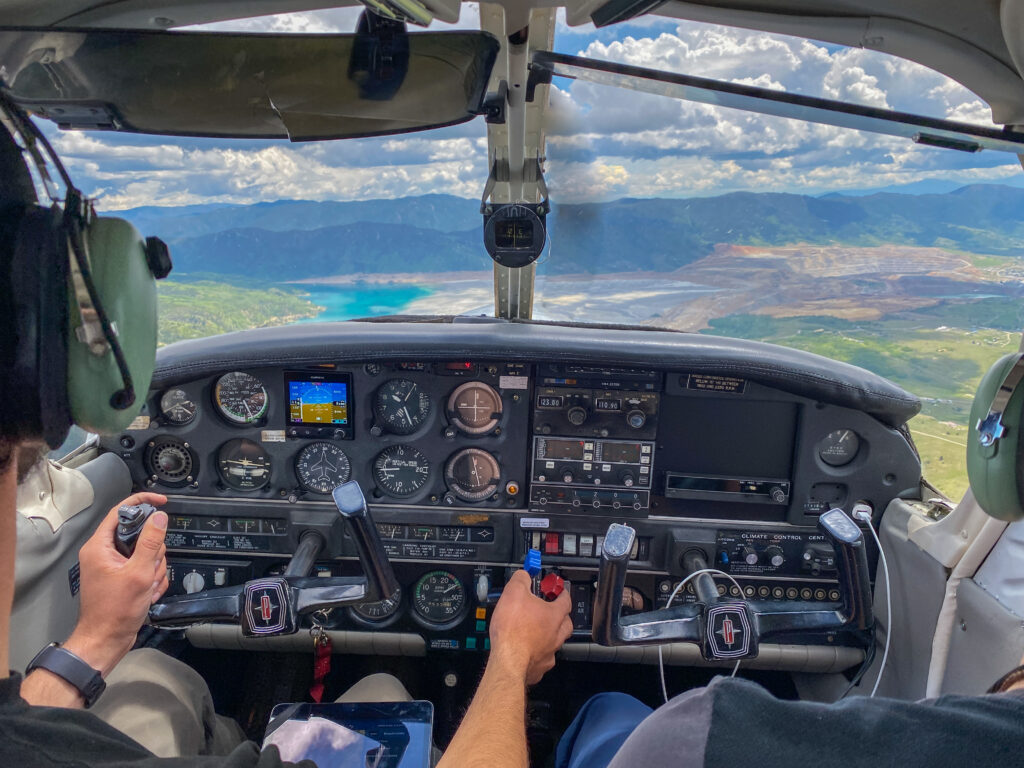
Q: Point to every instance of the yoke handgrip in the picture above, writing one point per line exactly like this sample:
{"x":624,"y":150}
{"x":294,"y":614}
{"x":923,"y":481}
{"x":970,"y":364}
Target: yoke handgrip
{"x":381,"y":581}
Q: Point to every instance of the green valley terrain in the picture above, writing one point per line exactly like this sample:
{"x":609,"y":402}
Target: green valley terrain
{"x":926,"y":290}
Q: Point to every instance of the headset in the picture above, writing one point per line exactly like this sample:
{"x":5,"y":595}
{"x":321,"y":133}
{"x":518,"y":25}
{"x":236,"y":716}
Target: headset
{"x":78,"y":305}
{"x":995,"y":441}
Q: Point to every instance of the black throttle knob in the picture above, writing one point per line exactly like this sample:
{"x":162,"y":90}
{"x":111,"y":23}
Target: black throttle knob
{"x":130,"y":519}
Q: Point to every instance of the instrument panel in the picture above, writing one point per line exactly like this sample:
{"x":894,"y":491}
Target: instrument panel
{"x":467,"y":464}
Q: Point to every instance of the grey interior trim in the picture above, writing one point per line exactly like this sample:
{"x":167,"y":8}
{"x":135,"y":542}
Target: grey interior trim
{"x":44,"y":609}
{"x":229,"y":637}
{"x":918,"y":588}
{"x":789,"y":370}
{"x":789,"y":658}
{"x":800,"y":658}
{"x":987,"y":641}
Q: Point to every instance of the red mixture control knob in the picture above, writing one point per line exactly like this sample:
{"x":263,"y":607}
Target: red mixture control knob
{"x":551,"y":586}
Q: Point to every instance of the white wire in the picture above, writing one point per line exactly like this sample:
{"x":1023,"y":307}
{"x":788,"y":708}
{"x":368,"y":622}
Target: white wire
{"x":888,"y":607}
{"x":679,"y":586}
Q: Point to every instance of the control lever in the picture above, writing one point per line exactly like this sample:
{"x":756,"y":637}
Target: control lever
{"x":273,"y":605}
{"x":130,"y":520}
{"x":726,"y":628}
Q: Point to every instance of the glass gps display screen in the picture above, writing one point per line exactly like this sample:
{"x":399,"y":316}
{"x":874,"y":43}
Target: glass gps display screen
{"x":319,"y":399}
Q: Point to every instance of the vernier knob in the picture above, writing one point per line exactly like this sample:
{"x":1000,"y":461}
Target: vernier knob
{"x":576,"y":416}
{"x":636,"y":419}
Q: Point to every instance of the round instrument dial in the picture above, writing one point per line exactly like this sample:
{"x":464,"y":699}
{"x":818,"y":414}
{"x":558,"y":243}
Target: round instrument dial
{"x":177,"y":407}
{"x":243,"y":465}
{"x":240,"y":397}
{"x":169,"y":461}
{"x":475,"y":408}
{"x":322,"y":467}
{"x":839,"y":447}
{"x":473,"y":474}
{"x":401,"y":406}
{"x":401,"y":470}
{"x":380,"y":613}
{"x":439,"y":600}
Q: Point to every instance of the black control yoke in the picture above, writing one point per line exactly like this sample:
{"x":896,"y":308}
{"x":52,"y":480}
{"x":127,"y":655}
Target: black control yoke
{"x":725,"y":628}
{"x":273,"y":605}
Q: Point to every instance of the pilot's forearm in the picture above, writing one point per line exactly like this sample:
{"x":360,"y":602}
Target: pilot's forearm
{"x":493,"y":732}
{"x":43,"y":688}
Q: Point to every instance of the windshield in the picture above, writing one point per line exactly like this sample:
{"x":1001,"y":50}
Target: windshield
{"x":899,"y":258}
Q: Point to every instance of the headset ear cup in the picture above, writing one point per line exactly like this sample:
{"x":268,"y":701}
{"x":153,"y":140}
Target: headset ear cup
{"x":35,"y":404}
{"x":995,"y":471}
{"x":127,"y":291}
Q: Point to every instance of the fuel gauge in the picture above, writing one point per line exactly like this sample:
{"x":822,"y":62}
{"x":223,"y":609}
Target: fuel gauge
{"x":839,"y":447}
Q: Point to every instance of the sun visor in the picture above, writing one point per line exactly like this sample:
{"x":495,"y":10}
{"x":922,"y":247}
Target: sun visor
{"x":257,"y":86}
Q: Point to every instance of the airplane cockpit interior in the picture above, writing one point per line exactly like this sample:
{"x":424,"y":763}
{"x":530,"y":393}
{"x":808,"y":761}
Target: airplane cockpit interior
{"x":351,"y":496}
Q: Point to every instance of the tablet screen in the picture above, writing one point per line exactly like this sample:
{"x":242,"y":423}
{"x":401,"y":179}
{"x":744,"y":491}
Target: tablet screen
{"x":386,"y":735}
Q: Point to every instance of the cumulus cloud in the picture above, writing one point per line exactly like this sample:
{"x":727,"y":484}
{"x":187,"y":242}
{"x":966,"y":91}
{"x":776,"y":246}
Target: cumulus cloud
{"x":603,"y":143}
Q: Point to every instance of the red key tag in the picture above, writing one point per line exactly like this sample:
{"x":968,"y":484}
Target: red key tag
{"x":321,"y":664}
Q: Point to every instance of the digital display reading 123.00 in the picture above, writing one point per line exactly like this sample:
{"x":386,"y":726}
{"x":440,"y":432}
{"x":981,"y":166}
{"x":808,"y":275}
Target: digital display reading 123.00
{"x":316,"y":401}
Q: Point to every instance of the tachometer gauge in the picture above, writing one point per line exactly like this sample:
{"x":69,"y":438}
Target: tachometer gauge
{"x":177,"y":407}
{"x":475,"y":408}
{"x":439,"y":600}
{"x":473,"y":474}
{"x":401,"y":470}
{"x":380,"y":613}
{"x":839,"y":447}
{"x":322,"y":467}
{"x":401,"y":406}
{"x":240,"y":397}
{"x":243,"y":465}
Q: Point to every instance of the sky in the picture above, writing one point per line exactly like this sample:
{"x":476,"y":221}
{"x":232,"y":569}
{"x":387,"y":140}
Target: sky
{"x":603,"y":143}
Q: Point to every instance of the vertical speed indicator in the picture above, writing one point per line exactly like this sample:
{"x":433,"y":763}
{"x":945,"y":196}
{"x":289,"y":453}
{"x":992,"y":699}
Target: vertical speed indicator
{"x":401,"y":471}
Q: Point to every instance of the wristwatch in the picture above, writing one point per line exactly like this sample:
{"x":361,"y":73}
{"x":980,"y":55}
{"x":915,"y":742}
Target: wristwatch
{"x":64,"y":664}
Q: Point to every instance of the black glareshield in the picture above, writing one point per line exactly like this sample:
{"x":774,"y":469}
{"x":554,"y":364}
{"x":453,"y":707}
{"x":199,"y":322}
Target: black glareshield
{"x":351,"y":503}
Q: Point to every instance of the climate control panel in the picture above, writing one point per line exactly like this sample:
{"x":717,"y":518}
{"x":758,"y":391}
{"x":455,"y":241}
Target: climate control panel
{"x":774,"y":553}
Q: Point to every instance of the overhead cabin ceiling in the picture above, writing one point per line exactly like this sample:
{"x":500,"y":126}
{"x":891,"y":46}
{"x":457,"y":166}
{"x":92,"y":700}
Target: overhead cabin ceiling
{"x":979,"y":43}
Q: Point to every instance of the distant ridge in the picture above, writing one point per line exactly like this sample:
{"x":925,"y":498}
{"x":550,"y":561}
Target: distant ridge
{"x":301,"y":239}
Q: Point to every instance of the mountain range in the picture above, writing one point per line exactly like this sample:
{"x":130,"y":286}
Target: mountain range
{"x":297,"y":239}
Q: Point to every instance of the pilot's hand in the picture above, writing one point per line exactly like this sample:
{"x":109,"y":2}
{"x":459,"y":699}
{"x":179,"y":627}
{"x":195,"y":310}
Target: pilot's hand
{"x":116,"y":592}
{"x":526,"y":631}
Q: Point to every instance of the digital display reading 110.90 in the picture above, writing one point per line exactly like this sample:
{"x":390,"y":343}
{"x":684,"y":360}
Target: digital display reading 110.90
{"x":513,"y":233}
{"x":315,"y":400}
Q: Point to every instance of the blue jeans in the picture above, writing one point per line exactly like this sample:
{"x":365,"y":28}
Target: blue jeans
{"x":600,"y":728}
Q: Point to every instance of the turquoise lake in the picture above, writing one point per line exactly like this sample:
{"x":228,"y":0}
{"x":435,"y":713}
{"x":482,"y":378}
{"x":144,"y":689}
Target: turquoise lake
{"x":345,"y":302}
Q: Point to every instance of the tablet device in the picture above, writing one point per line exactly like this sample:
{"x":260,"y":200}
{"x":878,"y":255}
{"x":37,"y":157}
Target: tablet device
{"x":352,"y":735}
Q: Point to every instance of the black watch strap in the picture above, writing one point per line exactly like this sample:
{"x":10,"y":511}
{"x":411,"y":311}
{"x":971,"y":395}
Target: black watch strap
{"x":64,"y":664}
